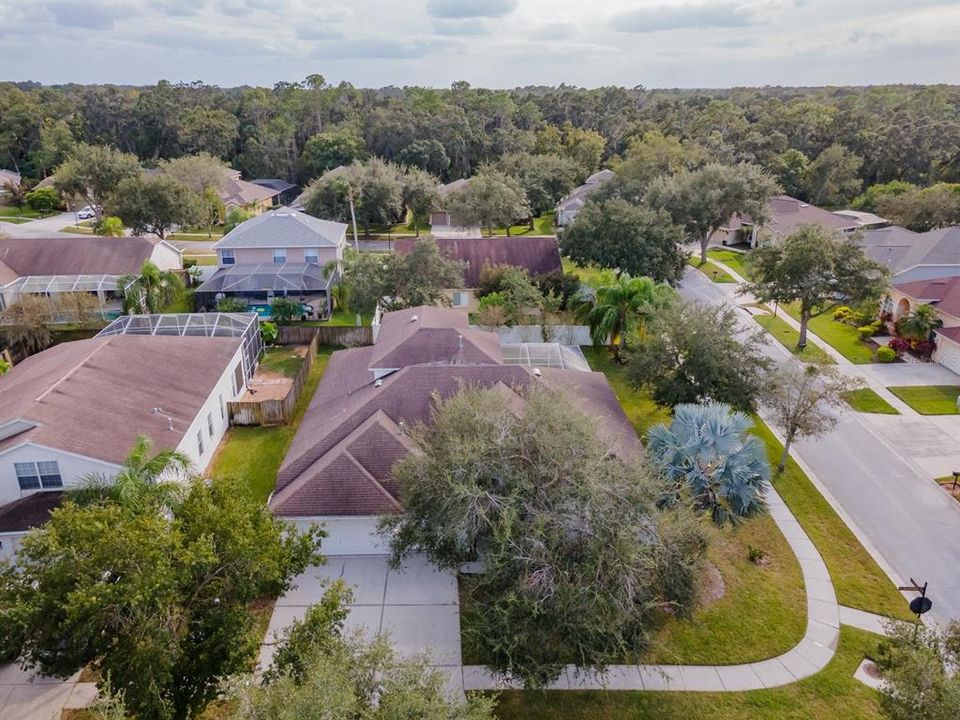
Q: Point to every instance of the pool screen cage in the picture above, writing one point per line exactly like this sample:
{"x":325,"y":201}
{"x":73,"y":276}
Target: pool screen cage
{"x":242,"y":325}
{"x":547,"y":355}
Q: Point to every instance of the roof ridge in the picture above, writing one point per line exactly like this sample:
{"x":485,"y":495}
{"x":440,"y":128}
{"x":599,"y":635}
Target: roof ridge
{"x":72,"y":370}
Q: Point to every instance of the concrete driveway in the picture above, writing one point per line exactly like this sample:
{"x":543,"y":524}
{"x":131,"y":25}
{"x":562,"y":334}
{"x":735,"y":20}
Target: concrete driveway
{"x":47,"y":227}
{"x":24,"y":696}
{"x":416,"y":605}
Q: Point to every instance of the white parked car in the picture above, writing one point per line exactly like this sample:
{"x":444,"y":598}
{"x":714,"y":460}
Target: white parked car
{"x":85,"y":213}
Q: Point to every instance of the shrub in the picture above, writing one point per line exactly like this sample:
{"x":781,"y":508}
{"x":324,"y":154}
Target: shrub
{"x":886,"y":354}
{"x":492,"y":299}
{"x":755,"y":554}
{"x":867,"y":331}
{"x":924,"y":348}
{"x":284,"y":309}
{"x":269,"y":332}
{"x":231,"y":305}
{"x":109,"y":227}
{"x":43,"y":200}
{"x":899,"y":345}
{"x":491,"y":279}
{"x":841,"y":312}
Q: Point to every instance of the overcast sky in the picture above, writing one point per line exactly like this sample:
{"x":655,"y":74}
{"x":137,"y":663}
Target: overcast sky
{"x":491,"y":43}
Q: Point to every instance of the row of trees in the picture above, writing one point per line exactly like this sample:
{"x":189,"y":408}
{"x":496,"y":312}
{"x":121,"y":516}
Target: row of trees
{"x":822,"y":143}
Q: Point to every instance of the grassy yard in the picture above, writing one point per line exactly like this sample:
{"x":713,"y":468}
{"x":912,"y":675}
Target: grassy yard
{"x":642,"y":412}
{"x":866,"y":400}
{"x":738,"y":262}
{"x":201,"y":259}
{"x":788,"y":337}
{"x":542,"y":225}
{"x":283,"y":359}
{"x":255,"y":453}
{"x":14,"y":220}
{"x":339,"y":318}
{"x":77,"y":230}
{"x":929,"y":399}
{"x":26,"y":212}
{"x":841,"y":337}
{"x":831,"y":694}
{"x":183,"y":303}
{"x":711,"y":271}
{"x":591,"y":276}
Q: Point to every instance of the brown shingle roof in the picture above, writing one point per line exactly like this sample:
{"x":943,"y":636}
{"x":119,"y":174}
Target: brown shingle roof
{"x":30,"y":511}
{"x":786,"y":214}
{"x":537,"y":254}
{"x":234,"y":191}
{"x":943,"y":293}
{"x":79,"y":255}
{"x":437,"y":335}
{"x":93,"y":397}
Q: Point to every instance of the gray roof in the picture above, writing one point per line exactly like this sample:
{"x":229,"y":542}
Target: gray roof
{"x":262,"y":277}
{"x":901,"y":249}
{"x":284,"y":228}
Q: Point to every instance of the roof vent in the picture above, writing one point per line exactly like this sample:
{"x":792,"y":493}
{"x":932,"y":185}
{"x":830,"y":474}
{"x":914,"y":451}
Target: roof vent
{"x":378,"y":382}
{"x":413,"y":318}
{"x":402,"y":426}
{"x":460,"y":342}
{"x":536,"y":372}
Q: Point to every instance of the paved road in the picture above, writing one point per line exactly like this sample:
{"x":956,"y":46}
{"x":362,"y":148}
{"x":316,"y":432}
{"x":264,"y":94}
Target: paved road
{"x":911,"y":523}
{"x":47,"y":227}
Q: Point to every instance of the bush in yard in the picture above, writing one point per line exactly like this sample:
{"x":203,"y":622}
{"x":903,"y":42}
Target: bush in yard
{"x":43,"y":200}
{"x":231,"y":305}
{"x":109,"y":227}
{"x":269,"y":332}
{"x":285,"y":309}
{"x":841,"y":313}
{"x":886,"y":354}
{"x":924,"y":348}
{"x":899,"y":345}
{"x":492,"y":299}
{"x":868,"y":331}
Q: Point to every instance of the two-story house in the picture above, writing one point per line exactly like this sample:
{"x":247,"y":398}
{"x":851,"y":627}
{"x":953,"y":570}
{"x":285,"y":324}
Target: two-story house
{"x":281,"y":253}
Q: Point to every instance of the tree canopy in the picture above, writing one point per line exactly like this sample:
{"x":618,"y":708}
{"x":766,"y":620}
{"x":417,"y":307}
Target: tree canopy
{"x":490,"y":200}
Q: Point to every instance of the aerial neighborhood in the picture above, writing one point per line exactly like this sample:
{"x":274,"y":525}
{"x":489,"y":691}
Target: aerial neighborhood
{"x":550,"y":402}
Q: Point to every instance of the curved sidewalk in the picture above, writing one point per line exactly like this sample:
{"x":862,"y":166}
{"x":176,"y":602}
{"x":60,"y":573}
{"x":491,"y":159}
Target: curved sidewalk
{"x":808,"y":657}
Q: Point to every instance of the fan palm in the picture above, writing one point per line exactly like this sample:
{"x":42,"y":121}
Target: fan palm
{"x":141,"y":482}
{"x":920,"y":323}
{"x":624,"y":306}
{"x":708,"y":454}
{"x":151,"y":290}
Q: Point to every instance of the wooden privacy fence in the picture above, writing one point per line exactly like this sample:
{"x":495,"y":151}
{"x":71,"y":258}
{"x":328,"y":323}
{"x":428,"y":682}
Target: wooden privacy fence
{"x":347,"y":335}
{"x":274,"y":412}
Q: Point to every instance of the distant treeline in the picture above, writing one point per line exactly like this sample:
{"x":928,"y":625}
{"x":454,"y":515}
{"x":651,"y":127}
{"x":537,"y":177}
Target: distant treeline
{"x":296,"y":131}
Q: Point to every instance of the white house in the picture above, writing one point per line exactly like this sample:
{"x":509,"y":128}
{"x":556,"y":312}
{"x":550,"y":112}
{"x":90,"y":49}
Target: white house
{"x":77,"y":408}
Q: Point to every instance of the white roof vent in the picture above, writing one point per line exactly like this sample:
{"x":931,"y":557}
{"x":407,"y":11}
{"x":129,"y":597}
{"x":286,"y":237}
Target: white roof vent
{"x":378,"y":382}
{"x":413,"y":318}
{"x":536,"y":372}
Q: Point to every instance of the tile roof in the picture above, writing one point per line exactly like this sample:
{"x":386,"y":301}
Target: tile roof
{"x":76,"y":255}
{"x":537,"y":254}
{"x":93,"y":397}
{"x":29,"y":511}
{"x":901,"y":249}
{"x":428,"y":334}
{"x":943,"y":293}
{"x":284,"y":227}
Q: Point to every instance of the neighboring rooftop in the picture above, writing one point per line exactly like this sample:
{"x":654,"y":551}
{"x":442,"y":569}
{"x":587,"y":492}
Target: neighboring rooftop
{"x":29,"y":511}
{"x":75,"y":255}
{"x":277,"y":184}
{"x":284,"y":227}
{"x":574,"y":200}
{"x":901,"y":249}
{"x":453,"y":186}
{"x":943,"y":293}
{"x":93,"y":397}
{"x":862,"y":219}
{"x":537,"y":254}
{"x":236,"y":191}
{"x":8,"y":176}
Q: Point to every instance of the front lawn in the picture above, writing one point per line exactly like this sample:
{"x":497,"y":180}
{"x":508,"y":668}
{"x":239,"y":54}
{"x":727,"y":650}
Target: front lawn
{"x":21,"y":212}
{"x":831,"y":694}
{"x":711,"y":271}
{"x":866,"y":400}
{"x":788,"y":337}
{"x":929,"y":399}
{"x":642,"y":412}
{"x":738,"y":262}
{"x":255,"y":454}
{"x":841,"y":337}
{"x":14,"y":220}
{"x":542,"y":225}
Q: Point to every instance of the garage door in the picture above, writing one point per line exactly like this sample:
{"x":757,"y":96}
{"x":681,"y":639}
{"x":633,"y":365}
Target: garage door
{"x":948,"y":354}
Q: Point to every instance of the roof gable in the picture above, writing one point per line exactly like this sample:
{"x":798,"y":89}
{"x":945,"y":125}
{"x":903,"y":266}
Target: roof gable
{"x":284,"y":228}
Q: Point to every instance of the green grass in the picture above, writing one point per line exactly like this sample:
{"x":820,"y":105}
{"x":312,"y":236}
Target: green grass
{"x":841,"y":337}
{"x":788,"y":337}
{"x":14,"y":220}
{"x":642,"y":412}
{"x":201,"y":259}
{"x":183,"y":303}
{"x":283,"y":359}
{"x":589,"y":275}
{"x":542,"y":225}
{"x":858,"y":580}
{"x":77,"y":230}
{"x":254,"y":454}
{"x":20,"y":212}
{"x":831,"y":694}
{"x":929,"y":399}
{"x":734,"y":260}
{"x":711,"y":271}
{"x":866,"y":400}
{"x":339,"y":318}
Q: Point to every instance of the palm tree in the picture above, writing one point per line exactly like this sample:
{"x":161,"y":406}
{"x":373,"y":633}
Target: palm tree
{"x":624,"y":306}
{"x":150,"y":291}
{"x":141,"y":483}
{"x":920,"y":323}
{"x":708,"y":455}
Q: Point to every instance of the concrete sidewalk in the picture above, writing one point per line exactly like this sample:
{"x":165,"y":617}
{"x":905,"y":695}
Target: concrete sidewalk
{"x":25,"y":696}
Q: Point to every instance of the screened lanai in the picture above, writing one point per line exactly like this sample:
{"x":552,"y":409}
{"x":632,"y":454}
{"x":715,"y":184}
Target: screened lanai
{"x":105,"y":287}
{"x":546,"y":355}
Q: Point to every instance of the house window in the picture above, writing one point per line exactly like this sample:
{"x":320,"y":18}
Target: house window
{"x":33,"y":476}
{"x":222,"y":409}
{"x":311,"y":255}
{"x":279,"y":256}
{"x":200,"y":442}
{"x":227,"y":258}
{"x":210,"y":423}
{"x":458,"y":299}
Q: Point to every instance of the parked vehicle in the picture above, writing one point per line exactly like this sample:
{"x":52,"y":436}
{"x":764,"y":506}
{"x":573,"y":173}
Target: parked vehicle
{"x":85,"y":213}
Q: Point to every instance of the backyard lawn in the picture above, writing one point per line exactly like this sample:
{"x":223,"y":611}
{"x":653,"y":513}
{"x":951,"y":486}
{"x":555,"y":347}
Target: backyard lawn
{"x":542,"y":225}
{"x":788,"y":337}
{"x":183,"y":303}
{"x":866,"y":400}
{"x":339,"y":318}
{"x":255,"y":453}
{"x":831,"y":694}
{"x":841,"y":337}
{"x":592,"y":276}
{"x":929,"y":399}
{"x":283,"y":359}
{"x":734,"y":260}
{"x":711,"y":271}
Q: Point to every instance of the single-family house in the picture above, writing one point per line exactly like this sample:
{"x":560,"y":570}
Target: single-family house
{"x":339,"y":466}
{"x":864,"y":220}
{"x":281,"y":253}
{"x":287,"y":191}
{"x":537,"y":255}
{"x":82,"y":263}
{"x":238,"y":193}
{"x":915,"y":256}
{"x":440,"y":218}
{"x":784,"y":215}
{"x":943,"y":294}
{"x":77,"y":408}
{"x":572,"y":204}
